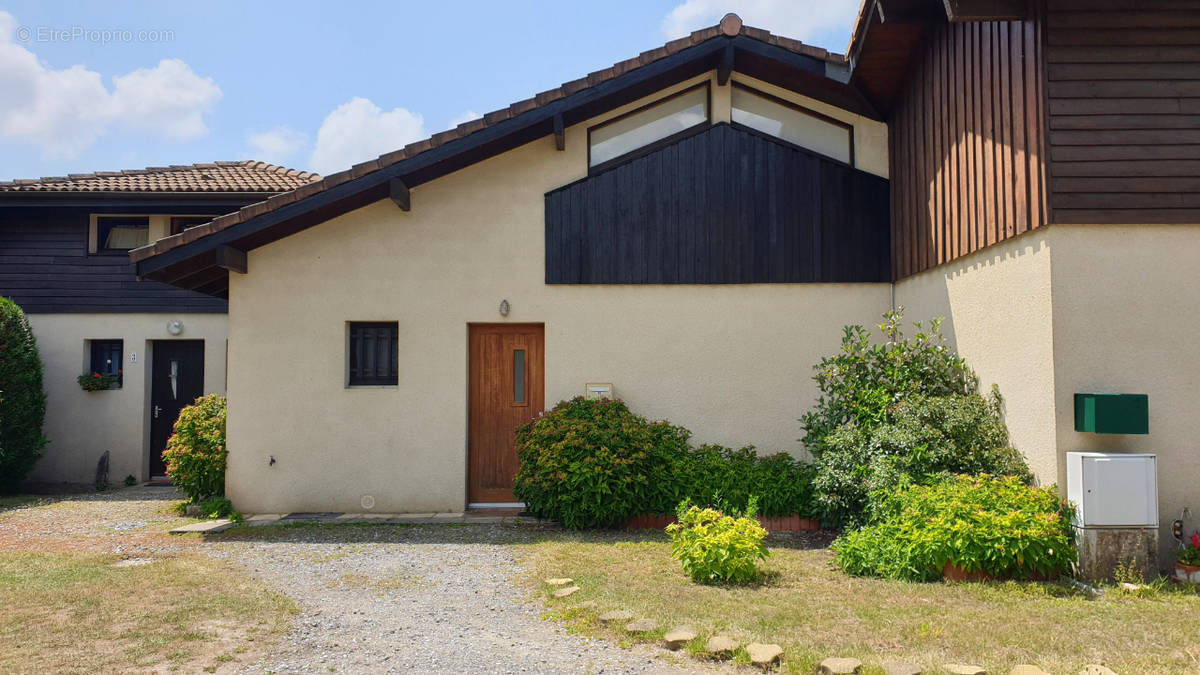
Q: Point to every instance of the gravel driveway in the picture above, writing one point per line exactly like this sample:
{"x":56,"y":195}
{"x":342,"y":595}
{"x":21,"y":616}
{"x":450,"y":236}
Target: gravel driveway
{"x":435,"y":598}
{"x":377,"y":598}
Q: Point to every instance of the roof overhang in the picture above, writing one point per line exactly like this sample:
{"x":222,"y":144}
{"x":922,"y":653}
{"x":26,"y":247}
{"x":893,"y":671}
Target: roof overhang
{"x":192,"y":259}
{"x":888,"y":33}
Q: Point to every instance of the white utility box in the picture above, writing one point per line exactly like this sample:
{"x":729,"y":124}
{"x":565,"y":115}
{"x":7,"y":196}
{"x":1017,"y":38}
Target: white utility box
{"x":1113,"y":489}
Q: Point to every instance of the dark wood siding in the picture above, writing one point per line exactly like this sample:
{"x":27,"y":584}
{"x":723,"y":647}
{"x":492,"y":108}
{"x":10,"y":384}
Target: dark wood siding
{"x":727,"y":205}
{"x":966,"y":137}
{"x":45,"y":267}
{"x":1123,"y":94}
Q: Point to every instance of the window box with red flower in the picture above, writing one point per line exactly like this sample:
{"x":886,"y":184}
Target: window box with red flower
{"x":1187,"y":561}
{"x":99,"y":381}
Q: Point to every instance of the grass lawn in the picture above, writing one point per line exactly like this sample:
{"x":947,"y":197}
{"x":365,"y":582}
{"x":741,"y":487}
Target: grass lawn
{"x":814,"y":611}
{"x":76,"y":612}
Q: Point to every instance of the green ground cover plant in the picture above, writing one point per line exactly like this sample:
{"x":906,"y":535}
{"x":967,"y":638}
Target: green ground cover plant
{"x":995,"y":525}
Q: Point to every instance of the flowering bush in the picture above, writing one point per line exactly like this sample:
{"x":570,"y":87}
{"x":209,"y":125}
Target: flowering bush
{"x":1190,"y":555}
{"x":195,"y":453}
{"x":995,"y":525}
{"x":99,"y":381}
{"x":717,"y":548}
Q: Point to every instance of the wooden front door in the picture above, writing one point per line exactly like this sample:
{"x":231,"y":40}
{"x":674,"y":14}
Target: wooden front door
{"x":506,"y":390}
{"x":176,"y":380}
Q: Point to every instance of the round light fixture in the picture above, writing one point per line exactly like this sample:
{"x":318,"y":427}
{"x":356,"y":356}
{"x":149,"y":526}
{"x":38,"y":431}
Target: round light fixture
{"x":368,"y":502}
{"x":175,"y":327}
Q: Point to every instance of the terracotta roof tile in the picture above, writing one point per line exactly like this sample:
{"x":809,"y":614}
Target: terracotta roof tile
{"x":730,"y":25}
{"x":242,"y":176}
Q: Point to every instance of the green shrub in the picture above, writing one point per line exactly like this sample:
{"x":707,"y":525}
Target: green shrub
{"x":195,"y":453}
{"x":865,"y":380}
{"x":593,"y":463}
{"x":717,"y":548}
{"x":927,"y":437}
{"x":22,"y":399}
{"x":728,"y":478}
{"x":995,"y":525}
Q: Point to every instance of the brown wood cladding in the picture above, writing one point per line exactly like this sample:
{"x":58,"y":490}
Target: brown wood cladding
{"x":1123,"y":99}
{"x":966,"y":138}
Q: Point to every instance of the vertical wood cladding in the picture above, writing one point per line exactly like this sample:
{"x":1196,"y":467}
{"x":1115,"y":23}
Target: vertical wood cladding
{"x":727,"y":205}
{"x":1123,"y":93}
{"x":45,"y":267}
{"x":967,"y":137}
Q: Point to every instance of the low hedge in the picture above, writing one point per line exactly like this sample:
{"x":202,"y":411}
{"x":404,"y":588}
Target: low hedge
{"x":997,"y":526}
{"x":592,"y":463}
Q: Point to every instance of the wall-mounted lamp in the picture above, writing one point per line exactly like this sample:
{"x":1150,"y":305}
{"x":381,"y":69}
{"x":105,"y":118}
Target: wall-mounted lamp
{"x":175,"y":327}
{"x":504,"y":307}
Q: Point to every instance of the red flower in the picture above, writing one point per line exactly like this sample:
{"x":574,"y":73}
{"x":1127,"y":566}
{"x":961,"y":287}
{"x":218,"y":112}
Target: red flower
{"x":96,"y":375}
{"x":118,"y":371}
{"x":1196,"y":539}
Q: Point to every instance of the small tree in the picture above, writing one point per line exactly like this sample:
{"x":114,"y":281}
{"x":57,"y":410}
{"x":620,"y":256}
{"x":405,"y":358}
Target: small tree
{"x":196,"y":453}
{"x":22,"y":399}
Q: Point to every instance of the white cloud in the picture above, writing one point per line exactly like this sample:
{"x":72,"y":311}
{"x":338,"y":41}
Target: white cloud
{"x":789,"y":18}
{"x":467,"y":116}
{"x":64,"y":111}
{"x":277,"y":146}
{"x":359,"y":130}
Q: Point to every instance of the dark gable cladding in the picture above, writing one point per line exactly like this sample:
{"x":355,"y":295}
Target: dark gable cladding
{"x":45,"y":266}
{"x":190,"y":260}
{"x":726,"y":205}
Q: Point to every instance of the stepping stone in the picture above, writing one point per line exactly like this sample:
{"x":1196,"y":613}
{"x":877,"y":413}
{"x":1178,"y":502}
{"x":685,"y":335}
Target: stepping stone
{"x":558,"y":581}
{"x":679,"y":636}
{"x":720,"y":645}
{"x":900,"y":668}
{"x":615,"y":615}
{"x":1096,"y":669}
{"x":964,"y":669}
{"x":206,"y":527}
{"x":588,"y":604}
{"x":764,"y":656}
{"x":1027,"y":669}
{"x":564,"y":592}
{"x":839,"y":666}
{"x":641,"y":626}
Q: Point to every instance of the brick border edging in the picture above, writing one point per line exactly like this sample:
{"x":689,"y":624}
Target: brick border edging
{"x":792,"y":523}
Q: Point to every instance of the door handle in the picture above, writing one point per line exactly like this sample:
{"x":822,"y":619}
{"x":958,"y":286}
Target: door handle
{"x":156,"y":411}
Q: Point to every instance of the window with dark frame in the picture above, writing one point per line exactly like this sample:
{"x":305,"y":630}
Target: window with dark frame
{"x":120,"y":234}
{"x":106,"y":357}
{"x":626,"y":136}
{"x":374,"y":353}
{"x":793,"y":123}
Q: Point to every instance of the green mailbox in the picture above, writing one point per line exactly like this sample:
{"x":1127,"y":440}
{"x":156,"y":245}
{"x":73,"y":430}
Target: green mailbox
{"x":1112,"y":413}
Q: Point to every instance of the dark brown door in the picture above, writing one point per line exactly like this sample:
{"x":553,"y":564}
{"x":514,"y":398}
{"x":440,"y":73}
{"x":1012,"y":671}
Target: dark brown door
{"x":176,"y":379}
{"x":506,"y":390}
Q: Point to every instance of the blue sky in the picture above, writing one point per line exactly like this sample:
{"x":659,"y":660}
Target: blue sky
{"x":314,"y":85}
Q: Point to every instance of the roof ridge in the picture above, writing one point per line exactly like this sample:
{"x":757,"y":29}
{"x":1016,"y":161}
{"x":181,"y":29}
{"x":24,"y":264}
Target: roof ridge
{"x":251,"y":164}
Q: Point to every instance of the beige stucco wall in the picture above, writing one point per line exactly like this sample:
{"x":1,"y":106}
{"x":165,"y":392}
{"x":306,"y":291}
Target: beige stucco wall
{"x":731,"y":363}
{"x":1083,"y":308}
{"x":997,"y":305}
{"x":1126,"y":320}
{"x":82,"y":425}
